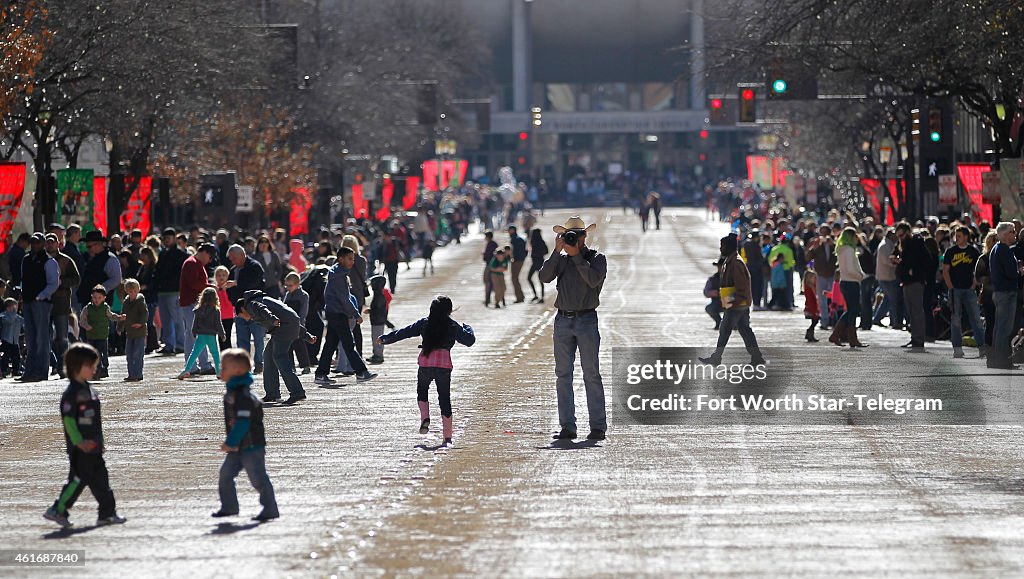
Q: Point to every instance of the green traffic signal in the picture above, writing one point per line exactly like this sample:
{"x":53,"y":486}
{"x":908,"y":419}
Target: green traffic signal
{"x":935,"y":136}
{"x":779,"y":86}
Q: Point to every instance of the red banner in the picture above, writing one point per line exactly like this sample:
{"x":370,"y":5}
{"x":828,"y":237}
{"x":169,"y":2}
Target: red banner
{"x":298,"y":221}
{"x":437,"y":176}
{"x":387,"y":193}
{"x":12,"y":188}
{"x":412,"y":189}
{"x":872,"y":191}
{"x":99,"y":203}
{"x":137,"y":211}
{"x":970,"y":178}
{"x":360,"y":207}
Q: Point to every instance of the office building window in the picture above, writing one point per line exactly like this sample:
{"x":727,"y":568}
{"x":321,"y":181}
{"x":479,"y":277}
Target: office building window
{"x":610,"y":97}
{"x":658,"y":96}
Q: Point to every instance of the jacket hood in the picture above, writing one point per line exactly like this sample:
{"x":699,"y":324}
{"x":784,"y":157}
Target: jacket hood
{"x":377,"y":282}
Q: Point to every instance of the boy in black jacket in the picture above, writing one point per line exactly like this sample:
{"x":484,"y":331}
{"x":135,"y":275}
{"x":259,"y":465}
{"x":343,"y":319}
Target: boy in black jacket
{"x":246,"y":440}
{"x":83,"y":434}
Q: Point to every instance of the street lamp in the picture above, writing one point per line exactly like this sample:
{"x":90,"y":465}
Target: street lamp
{"x":884,"y":156}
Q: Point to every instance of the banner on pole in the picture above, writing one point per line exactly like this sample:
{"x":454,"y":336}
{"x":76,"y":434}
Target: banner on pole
{"x":360,"y":207}
{"x":412,"y":187}
{"x":387,"y":193}
{"x":137,"y":210}
{"x":12,"y":188}
{"x":99,"y":204}
{"x":75,"y":201}
{"x":990,"y":187}
{"x":947,"y":190}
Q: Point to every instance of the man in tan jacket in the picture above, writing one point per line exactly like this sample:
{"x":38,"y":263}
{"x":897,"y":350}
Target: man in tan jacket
{"x":736,"y":302}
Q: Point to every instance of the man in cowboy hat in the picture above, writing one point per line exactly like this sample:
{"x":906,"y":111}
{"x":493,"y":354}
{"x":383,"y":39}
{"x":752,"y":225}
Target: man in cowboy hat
{"x":580,"y":272}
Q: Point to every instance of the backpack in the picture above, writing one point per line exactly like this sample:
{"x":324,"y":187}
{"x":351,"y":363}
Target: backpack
{"x":314,"y":281}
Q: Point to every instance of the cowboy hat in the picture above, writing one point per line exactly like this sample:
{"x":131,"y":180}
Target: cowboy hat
{"x":575,"y":223}
{"x":95,"y":236}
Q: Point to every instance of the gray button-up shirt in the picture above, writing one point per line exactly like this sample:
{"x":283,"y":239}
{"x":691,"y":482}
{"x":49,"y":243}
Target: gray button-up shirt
{"x":579,"y":280}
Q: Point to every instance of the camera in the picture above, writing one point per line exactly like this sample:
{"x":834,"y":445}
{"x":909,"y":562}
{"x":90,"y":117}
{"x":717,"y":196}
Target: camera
{"x":571,"y":237}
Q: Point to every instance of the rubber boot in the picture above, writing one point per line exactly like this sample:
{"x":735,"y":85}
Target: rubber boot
{"x":838,"y":333}
{"x":809,"y":334}
{"x":851,"y":336}
{"x":424,"y":416}
{"x":446,"y":428}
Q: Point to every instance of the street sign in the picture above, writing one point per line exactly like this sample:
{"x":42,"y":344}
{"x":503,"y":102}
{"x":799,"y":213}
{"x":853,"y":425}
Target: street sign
{"x":990,"y":187}
{"x":947,"y":190}
{"x":245,"y":199}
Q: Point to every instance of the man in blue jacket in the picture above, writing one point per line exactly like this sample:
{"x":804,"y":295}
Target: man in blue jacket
{"x":1006,"y":277}
{"x":340,"y":307}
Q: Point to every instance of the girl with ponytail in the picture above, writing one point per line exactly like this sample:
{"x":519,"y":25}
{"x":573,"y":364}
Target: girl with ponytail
{"x":439,"y":333}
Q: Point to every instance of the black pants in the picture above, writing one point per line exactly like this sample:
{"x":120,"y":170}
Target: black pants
{"x":87,"y":470}
{"x":301,"y":353}
{"x":101,"y":347}
{"x":10,"y":358}
{"x":338,"y":332}
{"x":391,"y":269}
{"x":357,"y":336}
{"x":226,"y":342}
{"x":443,"y":378}
{"x":315,"y":326}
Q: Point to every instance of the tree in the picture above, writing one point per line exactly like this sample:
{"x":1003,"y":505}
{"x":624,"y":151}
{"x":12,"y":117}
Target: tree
{"x":23,"y":38}
{"x":257,"y":140}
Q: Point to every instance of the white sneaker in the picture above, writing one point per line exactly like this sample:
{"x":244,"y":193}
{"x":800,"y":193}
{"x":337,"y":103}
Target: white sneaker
{"x":114,"y":519}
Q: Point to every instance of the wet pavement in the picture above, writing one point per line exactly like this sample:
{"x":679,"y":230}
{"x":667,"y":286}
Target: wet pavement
{"x":362,"y":493}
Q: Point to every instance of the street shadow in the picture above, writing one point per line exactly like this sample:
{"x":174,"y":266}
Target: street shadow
{"x":566,"y":444}
{"x":69,"y":532}
{"x":995,"y":484}
{"x":330,"y":386}
{"x":231,"y":528}
{"x":1019,"y":375}
{"x":432,"y":448}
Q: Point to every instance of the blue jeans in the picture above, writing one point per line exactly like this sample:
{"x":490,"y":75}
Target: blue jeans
{"x":134,"y":352}
{"x":279,"y":365}
{"x":249,"y":332}
{"x":342,"y":364}
{"x":173,"y":333}
{"x":37,"y":338}
{"x":1006,"y":304}
{"x":823,"y":285}
{"x":255,"y":466}
{"x":892,"y":303}
{"x":959,"y":300}
{"x":851,"y":295}
{"x":571,"y":334}
{"x":188,"y":317}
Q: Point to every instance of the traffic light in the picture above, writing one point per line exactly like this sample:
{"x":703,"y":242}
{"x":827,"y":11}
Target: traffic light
{"x":535,"y":115}
{"x":935,"y":125}
{"x":791,"y":80}
{"x":716,"y":112}
{"x":748,"y":106}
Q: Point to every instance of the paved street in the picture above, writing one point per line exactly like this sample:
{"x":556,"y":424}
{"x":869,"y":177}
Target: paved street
{"x":362,"y":493}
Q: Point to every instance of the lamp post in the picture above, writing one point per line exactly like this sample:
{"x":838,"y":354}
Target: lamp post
{"x":865,"y":152}
{"x":884,"y":156}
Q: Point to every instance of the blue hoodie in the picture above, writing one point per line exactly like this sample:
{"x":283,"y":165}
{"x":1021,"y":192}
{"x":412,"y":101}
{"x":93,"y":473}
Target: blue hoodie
{"x":338,"y":298}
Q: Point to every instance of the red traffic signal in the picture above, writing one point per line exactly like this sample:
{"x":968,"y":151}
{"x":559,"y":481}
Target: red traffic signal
{"x":524,"y":135}
{"x":704,"y":134}
{"x":716,"y":103}
{"x":748,"y":106}
{"x":747,"y":94}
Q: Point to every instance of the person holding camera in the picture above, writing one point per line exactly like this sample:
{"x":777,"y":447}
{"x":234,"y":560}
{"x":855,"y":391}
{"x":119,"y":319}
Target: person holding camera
{"x":580,"y":272}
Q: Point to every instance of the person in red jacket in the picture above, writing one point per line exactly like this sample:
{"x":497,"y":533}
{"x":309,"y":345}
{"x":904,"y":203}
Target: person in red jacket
{"x":811,"y":311}
{"x":192,"y":282}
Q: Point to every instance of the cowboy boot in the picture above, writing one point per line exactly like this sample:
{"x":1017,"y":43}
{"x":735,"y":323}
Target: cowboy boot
{"x":424,"y":416}
{"x":838,"y":333}
{"x":446,"y":428}
{"x":851,"y":336}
